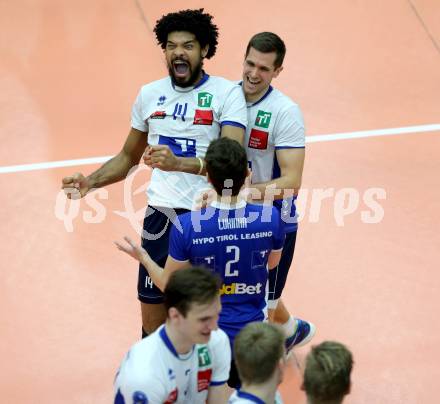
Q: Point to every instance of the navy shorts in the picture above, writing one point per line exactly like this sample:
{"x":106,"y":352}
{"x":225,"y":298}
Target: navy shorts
{"x":278,"y":275}
{"x":155,"y":240}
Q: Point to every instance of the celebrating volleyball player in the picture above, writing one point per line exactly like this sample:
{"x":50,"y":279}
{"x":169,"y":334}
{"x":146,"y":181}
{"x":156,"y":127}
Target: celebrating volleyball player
{"x":177,"y":116}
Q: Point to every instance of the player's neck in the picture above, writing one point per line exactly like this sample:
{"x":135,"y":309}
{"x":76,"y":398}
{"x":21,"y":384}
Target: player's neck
{"x":265,"y":391}
{"x":227,"y":200}
{"x":180,"y":343}
{"x":253,"y":98}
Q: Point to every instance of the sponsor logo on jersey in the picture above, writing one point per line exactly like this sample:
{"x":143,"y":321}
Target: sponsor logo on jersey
{"x":240,"y":289}
{"x":172,"y":397}
{"x":180,"y":146}
{"x":203,"y":117}
{"x":263,"y":119}
{"x":204,"y":357}
{"x":161,"y":100}
{"x":158,"y":115}
{"x":203,"y":379}
{"x":258,"y":139}
{"x":139,"y":397}
{"x":204,"y":100}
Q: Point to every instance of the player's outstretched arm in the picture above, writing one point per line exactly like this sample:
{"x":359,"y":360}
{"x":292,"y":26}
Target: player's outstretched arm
{"x":114,"y":170}
{"x":158,"y":275}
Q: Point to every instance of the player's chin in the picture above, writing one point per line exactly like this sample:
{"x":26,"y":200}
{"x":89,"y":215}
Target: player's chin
{"x":204,"y":337}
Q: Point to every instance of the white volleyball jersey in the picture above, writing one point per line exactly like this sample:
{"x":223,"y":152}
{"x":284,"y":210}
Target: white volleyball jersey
{"x":187,"y":120}
{"x":274,"y":122}
{"x":240,"y":397}
{"x":153,"y":372}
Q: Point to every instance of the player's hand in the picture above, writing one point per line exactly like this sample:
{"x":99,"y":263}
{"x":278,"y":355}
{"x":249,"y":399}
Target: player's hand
{"x":75,"y":186}
{"x":161,"y":156}
{"x":131,"y":248}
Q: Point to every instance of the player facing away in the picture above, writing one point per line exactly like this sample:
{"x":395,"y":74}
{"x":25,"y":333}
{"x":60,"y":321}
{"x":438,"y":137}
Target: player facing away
{"x":275,"y":146}
{"x":177,"y":117}
{"x":236,"y":240}
{"x":186,"y":360}
{"x":327,"y":373}
{"x":260,"y":358}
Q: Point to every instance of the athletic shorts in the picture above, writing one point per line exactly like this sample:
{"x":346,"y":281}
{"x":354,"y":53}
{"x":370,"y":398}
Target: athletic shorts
{"x":155,"y":240}
{"x":278,"y":275}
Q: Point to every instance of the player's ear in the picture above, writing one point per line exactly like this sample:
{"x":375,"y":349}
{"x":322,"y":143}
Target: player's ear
{"x":173,"y":313}
{"x":277,"y":71}
{"x":204,"y":51}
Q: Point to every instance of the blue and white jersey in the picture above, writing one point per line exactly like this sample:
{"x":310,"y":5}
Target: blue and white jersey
{"x":153,"y":372}
{"x":235,"y":242}
{"x":242,"y":397}
{"x":274,"y":122}
{"x":187,"y":120}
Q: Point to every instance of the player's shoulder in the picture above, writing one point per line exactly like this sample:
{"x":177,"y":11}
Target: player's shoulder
{"x":222,"y":84}
{"x":281,"y":100}
{"x":258,"y":207}
{"x":155,"y":85}
{"x":218,"y":338}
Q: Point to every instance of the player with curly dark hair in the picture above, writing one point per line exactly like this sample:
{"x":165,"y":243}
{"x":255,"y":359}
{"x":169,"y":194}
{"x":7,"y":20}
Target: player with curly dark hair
{"x":173,"y":121}
{"x":195,"y":33}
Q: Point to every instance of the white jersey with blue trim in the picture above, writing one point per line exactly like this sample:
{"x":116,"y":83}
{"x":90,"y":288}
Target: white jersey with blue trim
{"x":234,"y":241}
{"x":187,"y":120}
{"x":153,"y":372}
{"x":242,"y":397}
{"x":274,"y":122}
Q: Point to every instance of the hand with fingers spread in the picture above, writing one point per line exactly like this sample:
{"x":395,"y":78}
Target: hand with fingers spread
{"x":132,"y":249}
{"x":161,"y":156}
{"x":75,"y":186}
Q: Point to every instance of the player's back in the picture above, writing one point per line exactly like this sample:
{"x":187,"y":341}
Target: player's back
{"x":235,"y":243}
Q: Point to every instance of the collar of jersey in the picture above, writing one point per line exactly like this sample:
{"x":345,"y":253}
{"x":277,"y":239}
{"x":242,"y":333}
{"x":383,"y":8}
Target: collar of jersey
{"x":229,"y":206}
{"x":249,"y":397}
{"x":251,"y":104}
{"x":202,"y":81}
{"x":166,"y":340}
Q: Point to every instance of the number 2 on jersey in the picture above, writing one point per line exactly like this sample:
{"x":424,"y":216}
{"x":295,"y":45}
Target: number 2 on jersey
{"x":236,"y":251}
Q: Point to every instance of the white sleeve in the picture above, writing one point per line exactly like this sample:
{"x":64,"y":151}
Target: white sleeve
{"x":234,"y":111}
{"x":221,"y":353}
{"x":137,"y":116}
{"x":289,"y":129}
{"x":136,"y":387}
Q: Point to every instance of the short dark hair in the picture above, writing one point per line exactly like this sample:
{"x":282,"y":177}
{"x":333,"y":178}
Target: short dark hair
{"x":267,"y":42}
{"x":327,"y":371}
{"x":195,"y":21}
{"x":226,"y":160}
{"x":188,"y":286}
{"x":257,"y":350}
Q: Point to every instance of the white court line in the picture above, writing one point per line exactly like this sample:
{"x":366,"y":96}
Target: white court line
{"x":309,"y":139}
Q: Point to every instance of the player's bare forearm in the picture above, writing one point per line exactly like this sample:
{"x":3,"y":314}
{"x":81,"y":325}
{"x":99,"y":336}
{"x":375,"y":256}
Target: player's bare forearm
{"x":117,"y":168}
{"x":114,"y":170}
{"x":191,"y":165}
{"x":280,"y":188}
{"x":155,"y":271}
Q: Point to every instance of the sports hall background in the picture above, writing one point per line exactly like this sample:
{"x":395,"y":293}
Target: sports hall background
{"x":69,"y":72}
